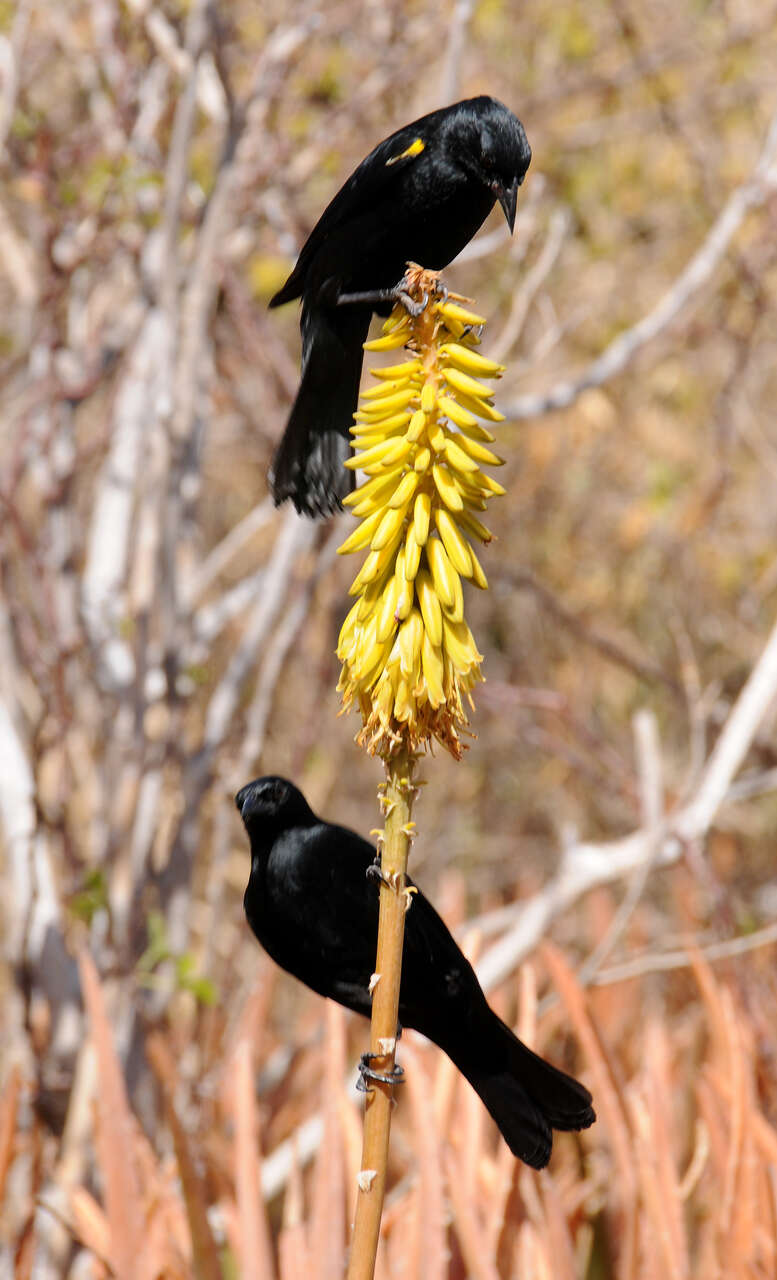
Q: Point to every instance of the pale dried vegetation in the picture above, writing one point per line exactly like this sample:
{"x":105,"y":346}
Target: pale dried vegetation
{"x":170,"y":1105}
{"x":679,"y":1177}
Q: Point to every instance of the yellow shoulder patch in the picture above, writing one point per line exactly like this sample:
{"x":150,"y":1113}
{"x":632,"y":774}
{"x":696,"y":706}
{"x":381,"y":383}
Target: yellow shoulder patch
{"x":414,"y":149}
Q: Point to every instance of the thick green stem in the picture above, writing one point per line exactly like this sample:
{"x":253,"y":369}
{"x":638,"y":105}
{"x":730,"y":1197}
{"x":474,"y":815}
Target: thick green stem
{"x":397,"y":802}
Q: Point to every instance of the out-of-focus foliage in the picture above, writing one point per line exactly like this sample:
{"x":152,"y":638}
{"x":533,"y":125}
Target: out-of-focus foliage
{"x":164,"y":636}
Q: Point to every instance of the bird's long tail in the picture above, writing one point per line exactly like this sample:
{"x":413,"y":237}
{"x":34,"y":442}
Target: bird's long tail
{"x":308,"y":464}
{"x":526,"y":1096}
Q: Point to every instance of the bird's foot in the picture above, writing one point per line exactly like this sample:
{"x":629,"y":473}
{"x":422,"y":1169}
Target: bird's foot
{"x":375,"y":872}
{"x":412,"y":307}
{"x":366,"y":1073}
{"x":477,"y":329}
{"x":391,"y":881}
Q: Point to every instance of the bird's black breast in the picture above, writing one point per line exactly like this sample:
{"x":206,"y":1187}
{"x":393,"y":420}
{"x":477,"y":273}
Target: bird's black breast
{"x":440,"y":218}
{"x":428,"y":216}
{"x":311,"y":907}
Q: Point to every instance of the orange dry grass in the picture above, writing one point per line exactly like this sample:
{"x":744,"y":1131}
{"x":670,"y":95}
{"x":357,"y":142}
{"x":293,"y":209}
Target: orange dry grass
{"x":677,"y":1179}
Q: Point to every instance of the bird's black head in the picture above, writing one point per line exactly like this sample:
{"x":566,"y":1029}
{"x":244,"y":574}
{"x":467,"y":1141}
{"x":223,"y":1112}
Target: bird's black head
{"x":490,"y":143}
{"x":267,"y":804}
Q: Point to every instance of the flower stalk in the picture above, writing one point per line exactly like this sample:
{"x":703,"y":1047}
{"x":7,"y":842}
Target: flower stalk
{"x":409,"y":659}
{"x":394,"y":843}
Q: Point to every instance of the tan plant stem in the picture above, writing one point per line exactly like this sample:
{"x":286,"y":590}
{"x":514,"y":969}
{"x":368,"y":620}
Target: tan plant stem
{"x":397,"y":802}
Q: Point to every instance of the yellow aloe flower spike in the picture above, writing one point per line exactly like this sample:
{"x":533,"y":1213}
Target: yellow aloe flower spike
{"x":409,"y":658}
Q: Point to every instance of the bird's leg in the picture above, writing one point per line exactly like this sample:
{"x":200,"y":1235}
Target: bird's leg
{"x":375,"y":297}
{"x":366,"y":1073}
{"x":371,"y":297}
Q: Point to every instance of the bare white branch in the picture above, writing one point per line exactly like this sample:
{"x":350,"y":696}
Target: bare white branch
{"x":650,"y":770}
{"x":702,"y":266}
{"x":295,"y":536}
{"x":457,"y":32}
{"x":664,"y":961}
{"x":279,"y":646}
{"x":533,"y":281}
{"x":733,"y":744}
{"x":142,"y":395}
{"x":11,"y":51}
{"x":17,"y":816}
{"x":586,"y":865}
{"x":217,"y":560}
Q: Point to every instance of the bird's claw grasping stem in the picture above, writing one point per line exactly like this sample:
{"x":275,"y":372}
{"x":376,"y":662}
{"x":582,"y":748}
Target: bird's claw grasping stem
{"x":389,"y":879}
{"x":412,"y":307}
{"x":477,"y":329}
{"x":366,"y":1073}
{"x":376,"y":872}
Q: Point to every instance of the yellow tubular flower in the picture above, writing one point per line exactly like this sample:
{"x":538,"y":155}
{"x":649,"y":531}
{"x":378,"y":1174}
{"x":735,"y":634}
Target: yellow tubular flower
{"x":409,"y":658}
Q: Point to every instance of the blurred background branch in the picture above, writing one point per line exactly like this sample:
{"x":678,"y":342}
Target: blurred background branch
{"x":758,"y":189}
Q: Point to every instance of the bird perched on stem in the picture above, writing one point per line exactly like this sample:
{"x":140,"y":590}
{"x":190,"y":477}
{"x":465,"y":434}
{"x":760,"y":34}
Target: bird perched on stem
{"x":311,"y":904}
{"x":420,"y":196}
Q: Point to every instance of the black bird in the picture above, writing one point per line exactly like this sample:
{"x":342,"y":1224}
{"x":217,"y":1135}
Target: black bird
{"x":312,"y":907}
{"x":420,"y":196}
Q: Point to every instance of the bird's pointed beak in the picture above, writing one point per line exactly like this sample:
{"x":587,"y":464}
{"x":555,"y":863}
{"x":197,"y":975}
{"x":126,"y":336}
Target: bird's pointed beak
{"x":508,"y":198}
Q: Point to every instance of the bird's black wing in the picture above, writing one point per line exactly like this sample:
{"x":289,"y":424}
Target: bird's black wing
{"x":367,"y":186}
{"x":436,"y":975}
{"x":441,"y":997}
